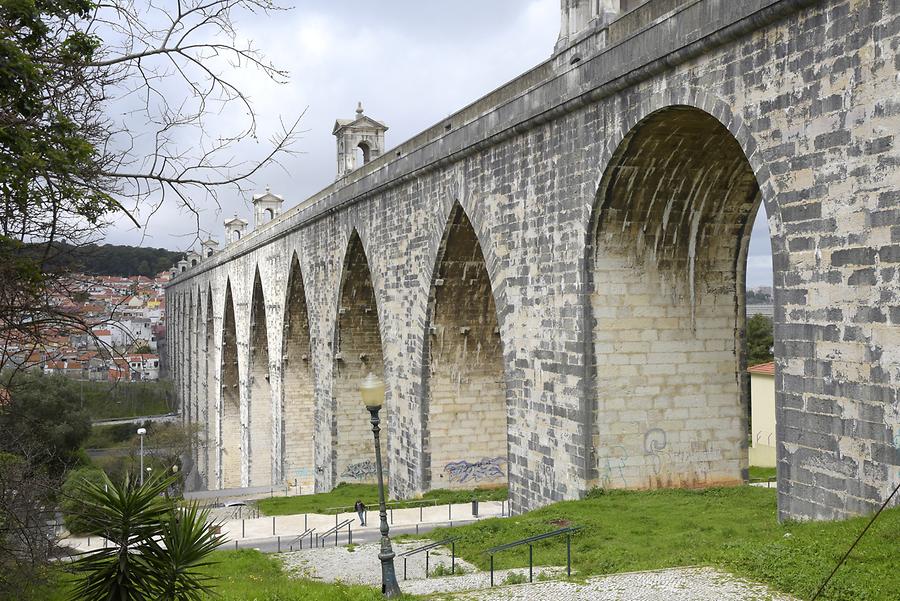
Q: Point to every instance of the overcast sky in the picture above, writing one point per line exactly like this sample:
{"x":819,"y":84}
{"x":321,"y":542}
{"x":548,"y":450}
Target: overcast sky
{"x":411,"y":63}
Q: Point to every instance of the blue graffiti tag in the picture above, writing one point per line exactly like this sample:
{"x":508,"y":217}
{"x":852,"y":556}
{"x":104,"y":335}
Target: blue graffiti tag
{"x":488,"y":468}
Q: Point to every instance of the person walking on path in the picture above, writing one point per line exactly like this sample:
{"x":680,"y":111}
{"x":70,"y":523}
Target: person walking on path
{"x":361,"y":512}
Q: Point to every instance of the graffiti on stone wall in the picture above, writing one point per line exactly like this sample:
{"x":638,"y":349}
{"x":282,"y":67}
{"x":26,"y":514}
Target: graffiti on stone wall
{"x":612,"y":467}
{"x":360,"y":471}
{"x":897,"y":446}
{"x":654,"y":443}
{"x":488,"y":468}
{"x":662,"y":458}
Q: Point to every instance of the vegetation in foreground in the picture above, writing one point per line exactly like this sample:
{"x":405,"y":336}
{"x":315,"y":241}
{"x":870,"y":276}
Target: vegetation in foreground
{"x":761,"y":473}
{"x":734,"y":529}
{"x":250,"y":575}
{"x":344,"y":495}
{"x":157,"y":547}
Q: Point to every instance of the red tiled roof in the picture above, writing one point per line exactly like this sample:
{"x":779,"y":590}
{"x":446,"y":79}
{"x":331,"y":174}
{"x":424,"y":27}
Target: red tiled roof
{"x":763,"y":368}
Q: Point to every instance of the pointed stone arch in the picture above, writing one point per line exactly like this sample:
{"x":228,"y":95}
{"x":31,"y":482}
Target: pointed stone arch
{"x":230,"y":447}
{"x":666,"y":261}
{"x":357,"y":351}
{"x":464,"y":410}
{"x":209,"y":366}
{"x":298,"y":385}
{"x":197,"y":430}
{"x":260,"y":400}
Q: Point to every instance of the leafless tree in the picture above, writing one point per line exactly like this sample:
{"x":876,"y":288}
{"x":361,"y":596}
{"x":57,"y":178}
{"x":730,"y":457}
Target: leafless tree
{"x":154,"y":91}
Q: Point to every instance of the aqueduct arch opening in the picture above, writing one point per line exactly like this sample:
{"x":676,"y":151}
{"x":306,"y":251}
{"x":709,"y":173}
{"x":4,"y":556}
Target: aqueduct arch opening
{"x":197,"y":426}
{"x":464,"y":410}
{"x":673,"y":218}
{"x":298,"y":407}
{"x":260,"y":410}
{"x":209,"y":442}
{"x":230,"y":409}
{"x":357,"y":352}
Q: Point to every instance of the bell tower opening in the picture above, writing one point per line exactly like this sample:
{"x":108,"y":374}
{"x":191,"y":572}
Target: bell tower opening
{"x":359,"y":141}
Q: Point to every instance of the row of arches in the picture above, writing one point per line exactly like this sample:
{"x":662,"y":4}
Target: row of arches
{"x":665,"y":293}
{"x":464,"y":375}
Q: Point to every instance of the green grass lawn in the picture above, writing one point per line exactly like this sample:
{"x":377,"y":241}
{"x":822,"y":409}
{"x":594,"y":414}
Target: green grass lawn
{"x":249,"y":575}
{"x":762,"y":473}
{"x":345,"y":495}
{"x":731,"y":528}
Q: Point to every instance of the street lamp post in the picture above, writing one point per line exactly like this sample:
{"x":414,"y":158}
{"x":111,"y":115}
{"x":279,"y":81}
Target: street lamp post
{"x":141,"y":432}
{"x":372,"y":392}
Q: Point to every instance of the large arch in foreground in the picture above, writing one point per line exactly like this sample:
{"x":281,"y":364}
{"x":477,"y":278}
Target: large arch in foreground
{"x":358,"y":351}
{"x":298,"y":404}
{"x":464,"y":407}
{"x":230,"y":400}
{"x":260,"y":400}
{"x":672,"y":222}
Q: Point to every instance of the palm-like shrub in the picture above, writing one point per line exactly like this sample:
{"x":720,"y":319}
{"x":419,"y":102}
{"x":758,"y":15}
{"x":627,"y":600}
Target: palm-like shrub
{"x":156,"y":548}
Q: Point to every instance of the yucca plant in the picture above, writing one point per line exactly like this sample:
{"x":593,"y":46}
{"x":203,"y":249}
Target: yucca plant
{"x":155,"y":548}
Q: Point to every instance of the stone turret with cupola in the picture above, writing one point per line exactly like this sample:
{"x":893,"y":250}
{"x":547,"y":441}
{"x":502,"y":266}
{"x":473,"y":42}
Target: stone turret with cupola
{"x":266,"y":207}
{"x":358,"y":141}
{"x":208,"y":248}
{"x":234,"y":229}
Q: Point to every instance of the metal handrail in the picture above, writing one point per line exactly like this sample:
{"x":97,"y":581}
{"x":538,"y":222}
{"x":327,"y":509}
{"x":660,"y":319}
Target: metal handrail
{"x":334,"y":531}
{"x":307,"y":533}
{"x":427,"y":549}
{"x":568,"y":531}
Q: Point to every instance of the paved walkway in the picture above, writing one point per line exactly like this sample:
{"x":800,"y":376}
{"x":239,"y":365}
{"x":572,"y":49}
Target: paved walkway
{"x":287,"y":526}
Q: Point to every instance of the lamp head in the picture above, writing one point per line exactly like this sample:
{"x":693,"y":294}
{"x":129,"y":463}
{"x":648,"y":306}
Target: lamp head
{"x":141,"y":431}
{"x":371,"y":390}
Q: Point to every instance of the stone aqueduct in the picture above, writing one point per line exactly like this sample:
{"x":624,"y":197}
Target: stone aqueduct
{"x":551,"y":284}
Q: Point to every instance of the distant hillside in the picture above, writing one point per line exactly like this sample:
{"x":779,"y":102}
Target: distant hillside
{"x":109,"y":259}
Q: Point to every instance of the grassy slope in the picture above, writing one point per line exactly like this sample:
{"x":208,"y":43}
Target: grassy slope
{"x":734,"y":528}
{"x":345,"y":495}
{"x":248,"y":575}
{"x":762,"y":473}
{"x":125,"y":399}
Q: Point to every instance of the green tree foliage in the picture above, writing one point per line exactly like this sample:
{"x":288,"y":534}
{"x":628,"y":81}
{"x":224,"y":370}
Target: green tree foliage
{"x":72,"y":499}
{"x":157,"y":549}
{"x":44,"y":422}
{"x":760,"y":340}
{"x":110,"y":259}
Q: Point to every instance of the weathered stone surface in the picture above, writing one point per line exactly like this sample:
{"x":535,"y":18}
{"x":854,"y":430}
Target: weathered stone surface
{"x":615,"y":266}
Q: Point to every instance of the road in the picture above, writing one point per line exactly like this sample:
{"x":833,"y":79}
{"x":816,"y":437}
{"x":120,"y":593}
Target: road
{"x":168,"y":417}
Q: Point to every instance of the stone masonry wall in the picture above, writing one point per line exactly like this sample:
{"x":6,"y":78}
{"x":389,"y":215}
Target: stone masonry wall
{"x":672,"y":209}
{"x":466,"y":408}
{"x":807,"y":92}
{"x":299,"y":388}
{"x":357,"y":352}
{"x":261,"y":433}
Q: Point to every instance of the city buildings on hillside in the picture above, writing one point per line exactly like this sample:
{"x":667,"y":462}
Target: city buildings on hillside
{"x":126,"y":320}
